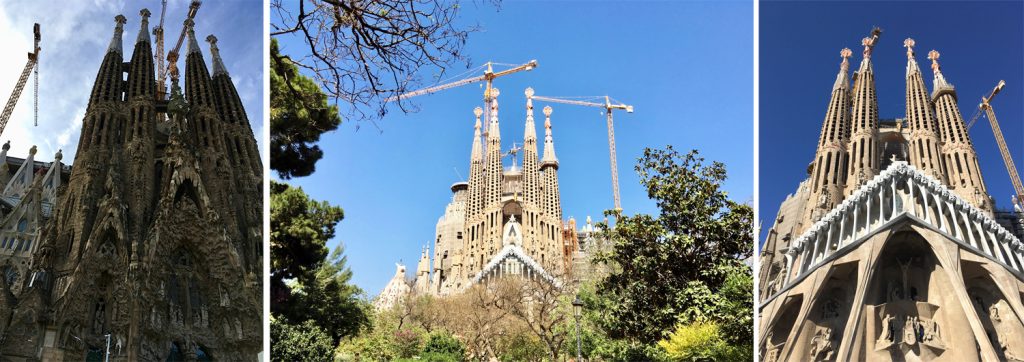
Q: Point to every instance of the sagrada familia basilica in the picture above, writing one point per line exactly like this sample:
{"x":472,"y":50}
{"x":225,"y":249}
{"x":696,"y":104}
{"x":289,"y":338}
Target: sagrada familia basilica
{"x":892,"y":248}
{"x":505,"y":221}
{"x":151,"y":243}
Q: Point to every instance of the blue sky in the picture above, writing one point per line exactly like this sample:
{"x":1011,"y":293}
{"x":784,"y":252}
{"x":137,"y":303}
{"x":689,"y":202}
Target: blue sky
{"x":980,"y":43}
{"x":685,"y":66}
{"x":74,"y":41}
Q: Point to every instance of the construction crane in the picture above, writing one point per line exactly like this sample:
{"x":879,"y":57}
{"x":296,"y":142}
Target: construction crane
{"x":608,"y":108}
{"x":489,"y":76}
{"x":158,"y":32}
{"x":986,"y":107}
{"x":32,"y":64}
{"x":172,"y":56}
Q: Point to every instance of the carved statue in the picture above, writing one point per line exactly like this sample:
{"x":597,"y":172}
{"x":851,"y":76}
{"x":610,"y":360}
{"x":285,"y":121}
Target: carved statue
{"x":895,"y":292}
{"x":821,"y":344}
{"x":888,"y":331}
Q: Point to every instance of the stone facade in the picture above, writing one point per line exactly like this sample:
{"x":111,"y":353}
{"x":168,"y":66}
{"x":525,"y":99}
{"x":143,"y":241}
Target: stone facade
{"x":911,"y":261}
{"x":156,"y":241}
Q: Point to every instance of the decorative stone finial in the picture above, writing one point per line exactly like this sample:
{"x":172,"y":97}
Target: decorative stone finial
{"x":547,"y":111}
{"x":495,"y":92}
{"x":869,"y":42}
{"x":120,"y":20}
{"x":845,"y":53}
{"x":478,"y":112}
{"x":909,"y":44}
{"x":145,"y":14}
{"x":529,"y":92}
{"x":7,"y":145}
{"x":32,"y":151}
{"x":218,"y":64}
{"x":59,"y":156}
{"x":934,"y":57}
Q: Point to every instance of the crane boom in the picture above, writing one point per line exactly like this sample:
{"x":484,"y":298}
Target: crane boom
{"x":488,"y":76}
{"x":613,"y":159}
{"x":172,"y":56}
{"x":33,"y":60}
{"x":986,"y":106}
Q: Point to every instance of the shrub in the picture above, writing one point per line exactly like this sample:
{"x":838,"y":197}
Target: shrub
{"x":302,"y":342}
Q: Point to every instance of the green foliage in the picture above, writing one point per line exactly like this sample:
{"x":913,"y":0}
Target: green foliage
{"x":302,"y":342}
{"x":407,"y":342}
{"x":305,"y":284}
{"x":442,"y":343}
{"x":703,"y":341}
{"x":522,"y":347}
{"x":299,"y":114}
{"x":669,"y":268}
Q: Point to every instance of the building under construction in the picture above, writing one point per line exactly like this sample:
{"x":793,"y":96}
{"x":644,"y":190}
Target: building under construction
{"x":892,"y":248}
{"x":153,"y":250}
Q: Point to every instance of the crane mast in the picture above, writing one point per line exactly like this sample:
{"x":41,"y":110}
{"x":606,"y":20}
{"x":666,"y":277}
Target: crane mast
{"x":158,"y":32}
{"x":172,"y":56}
{"x":608,"y":107}
{"x":32,"y":64}
{"x":990,"y":113}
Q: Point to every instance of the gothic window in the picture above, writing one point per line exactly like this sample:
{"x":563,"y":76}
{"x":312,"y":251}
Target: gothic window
{"x":22,"y":225}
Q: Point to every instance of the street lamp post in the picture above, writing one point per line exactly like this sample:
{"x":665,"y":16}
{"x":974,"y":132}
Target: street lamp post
{"x":577,"y":306}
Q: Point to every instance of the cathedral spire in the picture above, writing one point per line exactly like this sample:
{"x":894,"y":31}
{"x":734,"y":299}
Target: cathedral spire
{"x":476,"y":169}
{"x":115,"y":42}
{"x":494,"y":170}
{"x":218,"y":64}
{"x":959,"y":159}
{"x":144,"y":28}
{"x":531,"y":171}
{"x":828,"y":173}
{"x":864,"y":147}
{"x":924,"y":141}
{"x":549,"y":144}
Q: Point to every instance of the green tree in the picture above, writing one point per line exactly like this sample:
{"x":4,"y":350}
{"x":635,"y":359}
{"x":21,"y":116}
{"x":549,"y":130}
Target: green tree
{"x":442,"y":345}
{"x":299,"y":114}
{"x":299,"y":230}
{"x":673,"y":267}
{"x":301,"y":342}
{"x":703,"y":341}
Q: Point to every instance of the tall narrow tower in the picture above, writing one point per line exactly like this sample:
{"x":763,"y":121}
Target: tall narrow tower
{"x":864,"y":130}
{"x":830,"y":161}
{"x":924,"y":139}
{"x":960,"y":161}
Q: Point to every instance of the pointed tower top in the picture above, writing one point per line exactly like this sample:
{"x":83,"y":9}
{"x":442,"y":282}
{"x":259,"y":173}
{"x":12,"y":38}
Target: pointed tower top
{"x":549,"y":144}
{"x":870,"y":42}
{"x":144,"y":28}
{"x":492,"y":129}
{"x":531,"y":129}
{"x":115,"y":42}
{"x":939,"y":83}
{"x":909,"y":44}
{"x":844,"y":68}
{"x":190,"y":28}
{"x":218,"y":64}
{"x":477,"y":150}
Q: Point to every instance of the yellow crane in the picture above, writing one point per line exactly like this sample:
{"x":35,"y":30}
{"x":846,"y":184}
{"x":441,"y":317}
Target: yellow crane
{"x":489,"y":76}
{"x":172,"y":56}
{"x":158,"y":32}
{"x":30,"y":66}
{"x":986,"y":107}
{"x":608,"y":108}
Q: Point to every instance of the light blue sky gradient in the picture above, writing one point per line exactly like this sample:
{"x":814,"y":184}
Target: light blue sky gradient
{"x":686,"y":67}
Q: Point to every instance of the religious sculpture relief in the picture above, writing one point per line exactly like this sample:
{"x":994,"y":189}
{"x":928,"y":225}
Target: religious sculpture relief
{"x":821,"y":344}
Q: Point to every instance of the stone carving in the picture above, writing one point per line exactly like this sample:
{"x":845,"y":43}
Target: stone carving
{"x":913,"y":330}
{"x":888,"y":336}
{"x":821,"y":344}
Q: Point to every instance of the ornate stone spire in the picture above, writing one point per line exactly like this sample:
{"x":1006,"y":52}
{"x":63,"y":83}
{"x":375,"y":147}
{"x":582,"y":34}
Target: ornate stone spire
{"x":924,"y":141}
{"x":494,"y":169}
{"x":531,"y":171}
{"x":828,"y":175}
{"x":939,"y":84}
{"x":958,"y":155}
{"x":864,"y":127}
{"x":843,"y":78}
{"x":115,"y":42}
{"x":476,"y":169}
{"x":218,"y":64}
{"x":144,"y":28}
{"x":193,"y":45}
{"x":549,"y":143}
